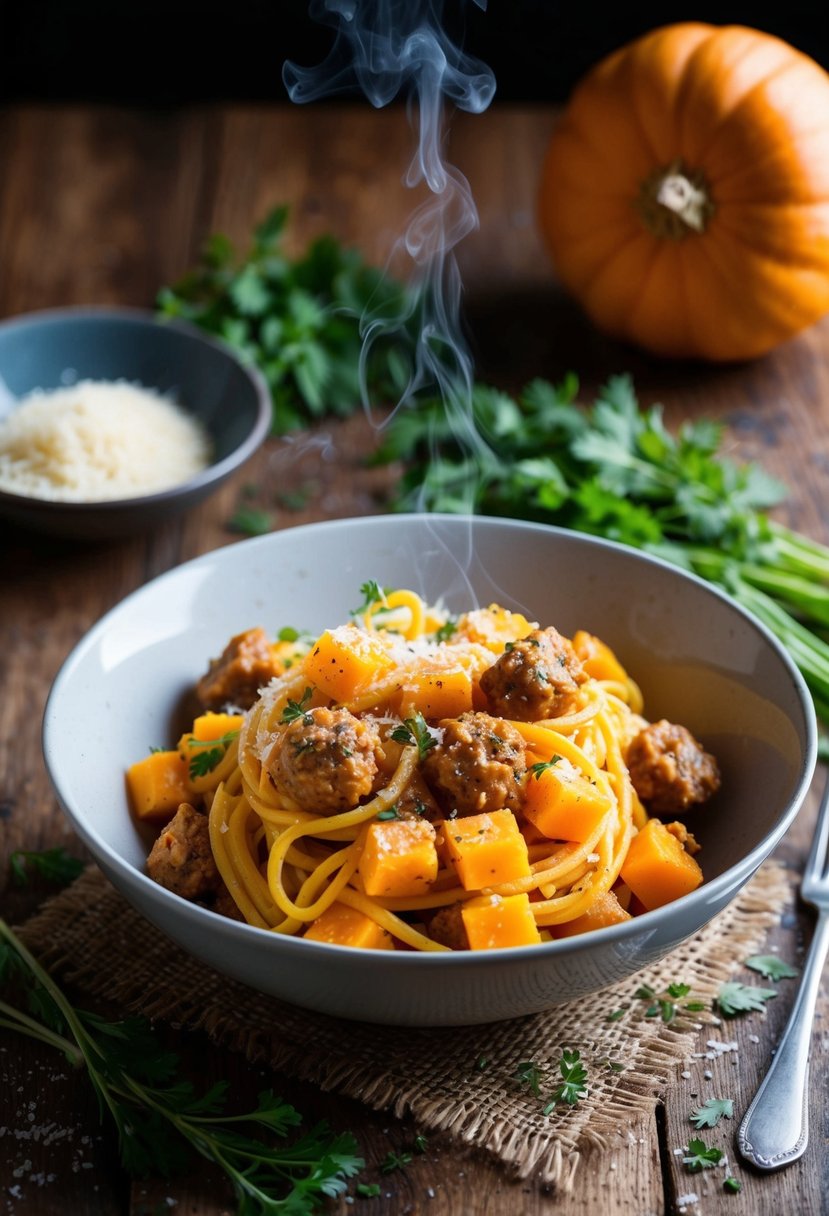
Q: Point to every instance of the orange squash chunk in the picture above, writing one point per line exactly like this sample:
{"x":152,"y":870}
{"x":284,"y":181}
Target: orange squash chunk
{"x":605,"y":910}
{"x":563,"y":804}
{"x":486,"y":849}
{"x":437,"y":694}
{"x":157,"y":784}
{"x":597,"y":659}
{"x":657,"y":869}
{"x":493,"y":627}
{"x":210,"y":726}
{"x":496,"y":921}
{"x":344,"y":926}
{"x":399,"y":857}
{"x":345,"y":661}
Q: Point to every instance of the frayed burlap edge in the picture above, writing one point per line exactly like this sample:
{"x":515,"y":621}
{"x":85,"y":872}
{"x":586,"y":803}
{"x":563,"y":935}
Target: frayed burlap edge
{"x":460,"y":1082}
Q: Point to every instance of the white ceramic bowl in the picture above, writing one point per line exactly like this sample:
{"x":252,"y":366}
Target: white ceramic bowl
{"x":700,"y":660}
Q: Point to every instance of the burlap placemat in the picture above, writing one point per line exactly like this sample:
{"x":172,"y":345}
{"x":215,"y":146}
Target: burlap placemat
{"x":460,"y":1082}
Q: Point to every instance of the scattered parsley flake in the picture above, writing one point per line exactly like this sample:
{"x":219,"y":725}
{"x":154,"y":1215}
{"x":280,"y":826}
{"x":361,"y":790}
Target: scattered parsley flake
{"x":711,"y":1111}
{"x":368,"y":1190}
{"x":528,"y":1074}
{"x":372,"y":593}
{"x":299,"y":709}
{"x":734,"y":998}
{"x":415,"y":731}
{"x":732,"y":1184}
{"x":701,"y":1157}
{"x":421,"y":1143}
{"x":390,"y":813}
{"x":395,"y":1161}
{"x":772,"y":967}
{"x":574,"y":1085}
{"x":250,"y":521}
{"x":616,"y":1015}
{"x":447,"y":630}
{"x":543,"y":765}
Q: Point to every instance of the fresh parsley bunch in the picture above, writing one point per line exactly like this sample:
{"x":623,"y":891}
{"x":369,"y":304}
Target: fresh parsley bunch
{"x":272,"y":1166}
{"x":614,"y":470}
{"x":299,"y":320}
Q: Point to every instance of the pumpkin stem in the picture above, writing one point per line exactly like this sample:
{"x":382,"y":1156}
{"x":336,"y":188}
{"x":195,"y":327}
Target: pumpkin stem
{"x":675,"y":201}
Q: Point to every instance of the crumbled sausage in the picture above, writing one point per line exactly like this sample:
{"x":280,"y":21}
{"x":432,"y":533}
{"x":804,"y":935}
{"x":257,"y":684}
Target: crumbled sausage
{"x":181,"y":858}
{"x":670,"y":770}
{"x":687,"y":839}
{"x":417,"y":801}
{"x":476,"y":765}
{"x":447,"y":927}
{"x":535,"y":678}
{"x":246,"y":664}
{"x":326,"y":760}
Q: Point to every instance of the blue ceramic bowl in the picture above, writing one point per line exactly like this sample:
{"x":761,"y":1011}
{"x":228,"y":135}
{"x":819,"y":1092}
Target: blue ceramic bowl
{"x":53,"y":349}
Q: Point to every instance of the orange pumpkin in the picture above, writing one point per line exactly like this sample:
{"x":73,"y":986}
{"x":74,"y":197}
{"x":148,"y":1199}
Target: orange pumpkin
{"x":685,"y":193}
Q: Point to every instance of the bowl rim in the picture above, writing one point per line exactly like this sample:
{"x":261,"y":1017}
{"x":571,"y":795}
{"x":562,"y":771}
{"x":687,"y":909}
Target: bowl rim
{"x":716,"y":888}
{"x":214,"y":472}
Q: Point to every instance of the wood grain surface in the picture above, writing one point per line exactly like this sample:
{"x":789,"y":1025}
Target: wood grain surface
{"x":102,"y":206}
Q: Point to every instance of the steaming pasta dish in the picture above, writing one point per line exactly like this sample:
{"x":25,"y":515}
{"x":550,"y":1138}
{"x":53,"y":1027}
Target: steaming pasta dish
{"x":414,"y":781}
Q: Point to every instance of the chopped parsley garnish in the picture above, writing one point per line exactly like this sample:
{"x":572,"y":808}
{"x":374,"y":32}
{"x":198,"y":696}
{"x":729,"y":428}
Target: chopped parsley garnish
{"x":701,"y":1157}
{"x":665,"y":1004}
{"x":298,"y":709}
{"x":390,"y":813}
{"x":421,"y":1143}
{"x":372,"y":593}
{"x":528,"y":1074}
{"x":368,"y":1190}
{"x":711,"y":1111}
{"x":414,"y":731}
{"x":251,"y":521}
{"x":734,"y":998}
{"x":772,"y":967}
{"x":574,"y":1084}
{"x":543,"y":765}
{"x":209,"y":754}
{"x":732,"y":1184}
{"x":616,"y":1015}
{"x":395,"y":1161}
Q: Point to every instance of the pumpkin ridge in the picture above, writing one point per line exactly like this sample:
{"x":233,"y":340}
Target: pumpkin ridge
{"x":800,"y":254}
{"x":773,"y":152}
{"x":586,"y":283}
{"x":718,"y":128}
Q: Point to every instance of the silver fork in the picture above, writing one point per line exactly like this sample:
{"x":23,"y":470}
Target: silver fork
{"x":775,"y":1129}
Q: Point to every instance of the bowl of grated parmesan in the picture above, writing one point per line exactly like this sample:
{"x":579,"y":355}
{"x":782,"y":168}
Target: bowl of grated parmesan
{"x":112,"y":421}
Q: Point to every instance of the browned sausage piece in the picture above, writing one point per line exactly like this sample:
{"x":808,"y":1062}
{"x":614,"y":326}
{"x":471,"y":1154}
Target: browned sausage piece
{"x":181,"y":858}
{"x":447,"y":927}
{"x":246,"y":664}
{"x":535,"y":678}
{"x":670,"y":770}
{"x":326,"y":760}
{"x":475,"y":766}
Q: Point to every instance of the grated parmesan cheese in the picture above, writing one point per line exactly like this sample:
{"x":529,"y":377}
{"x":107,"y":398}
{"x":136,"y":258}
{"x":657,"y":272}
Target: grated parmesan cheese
{"x":98,"y":440}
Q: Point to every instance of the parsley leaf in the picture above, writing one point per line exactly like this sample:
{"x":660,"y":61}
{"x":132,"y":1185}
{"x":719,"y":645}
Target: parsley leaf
{"x":701,"y":1157}
{"x":204,"y":762}
{"x":711,"y":1111}
{"x":574,"y":1085}
{"x":528,"y":1074}
{"x":732,"y":1184}
{"x":368,"y":1190}
{"x":447,"y":630}
{"x":415,"y":731}
{"x":395,"y":1161}
{"x":251,"y":521}
{"x":372,"y":593}
{"x":734,"y":998}
{"x":52,"y":865}
{"x":543,"y":765}
{"x":299,"y":320}
{"x":299,"y":709}
{"x":772,"y":967}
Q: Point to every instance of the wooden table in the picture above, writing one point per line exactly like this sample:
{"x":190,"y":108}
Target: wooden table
{"x":102,"y":206}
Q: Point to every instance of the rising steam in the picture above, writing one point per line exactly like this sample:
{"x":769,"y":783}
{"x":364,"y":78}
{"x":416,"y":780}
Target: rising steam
{"x":389,"y":48}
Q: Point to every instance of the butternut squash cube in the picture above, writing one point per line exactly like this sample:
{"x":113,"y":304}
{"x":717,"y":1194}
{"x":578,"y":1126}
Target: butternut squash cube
{"x":437,"y":694}
{"x":157,"y":785}
{"x":486,"y":849}
{"x":344,"y":926}
{"x":563,"y":804}
{"x":345,"y":661}
{"x":495,"y":921}
{"x":493,"y":627}
{"x":657,"y":868}
{"x":597,"y":659}
{"x":605,"y":910}
{"x":210,"y":726}
{"x":399,"y":857}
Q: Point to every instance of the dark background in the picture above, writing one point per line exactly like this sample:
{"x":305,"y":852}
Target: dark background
{"x":153,"y":53}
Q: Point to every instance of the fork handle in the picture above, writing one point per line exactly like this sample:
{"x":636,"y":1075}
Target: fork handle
{"x":775,"y":1129}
